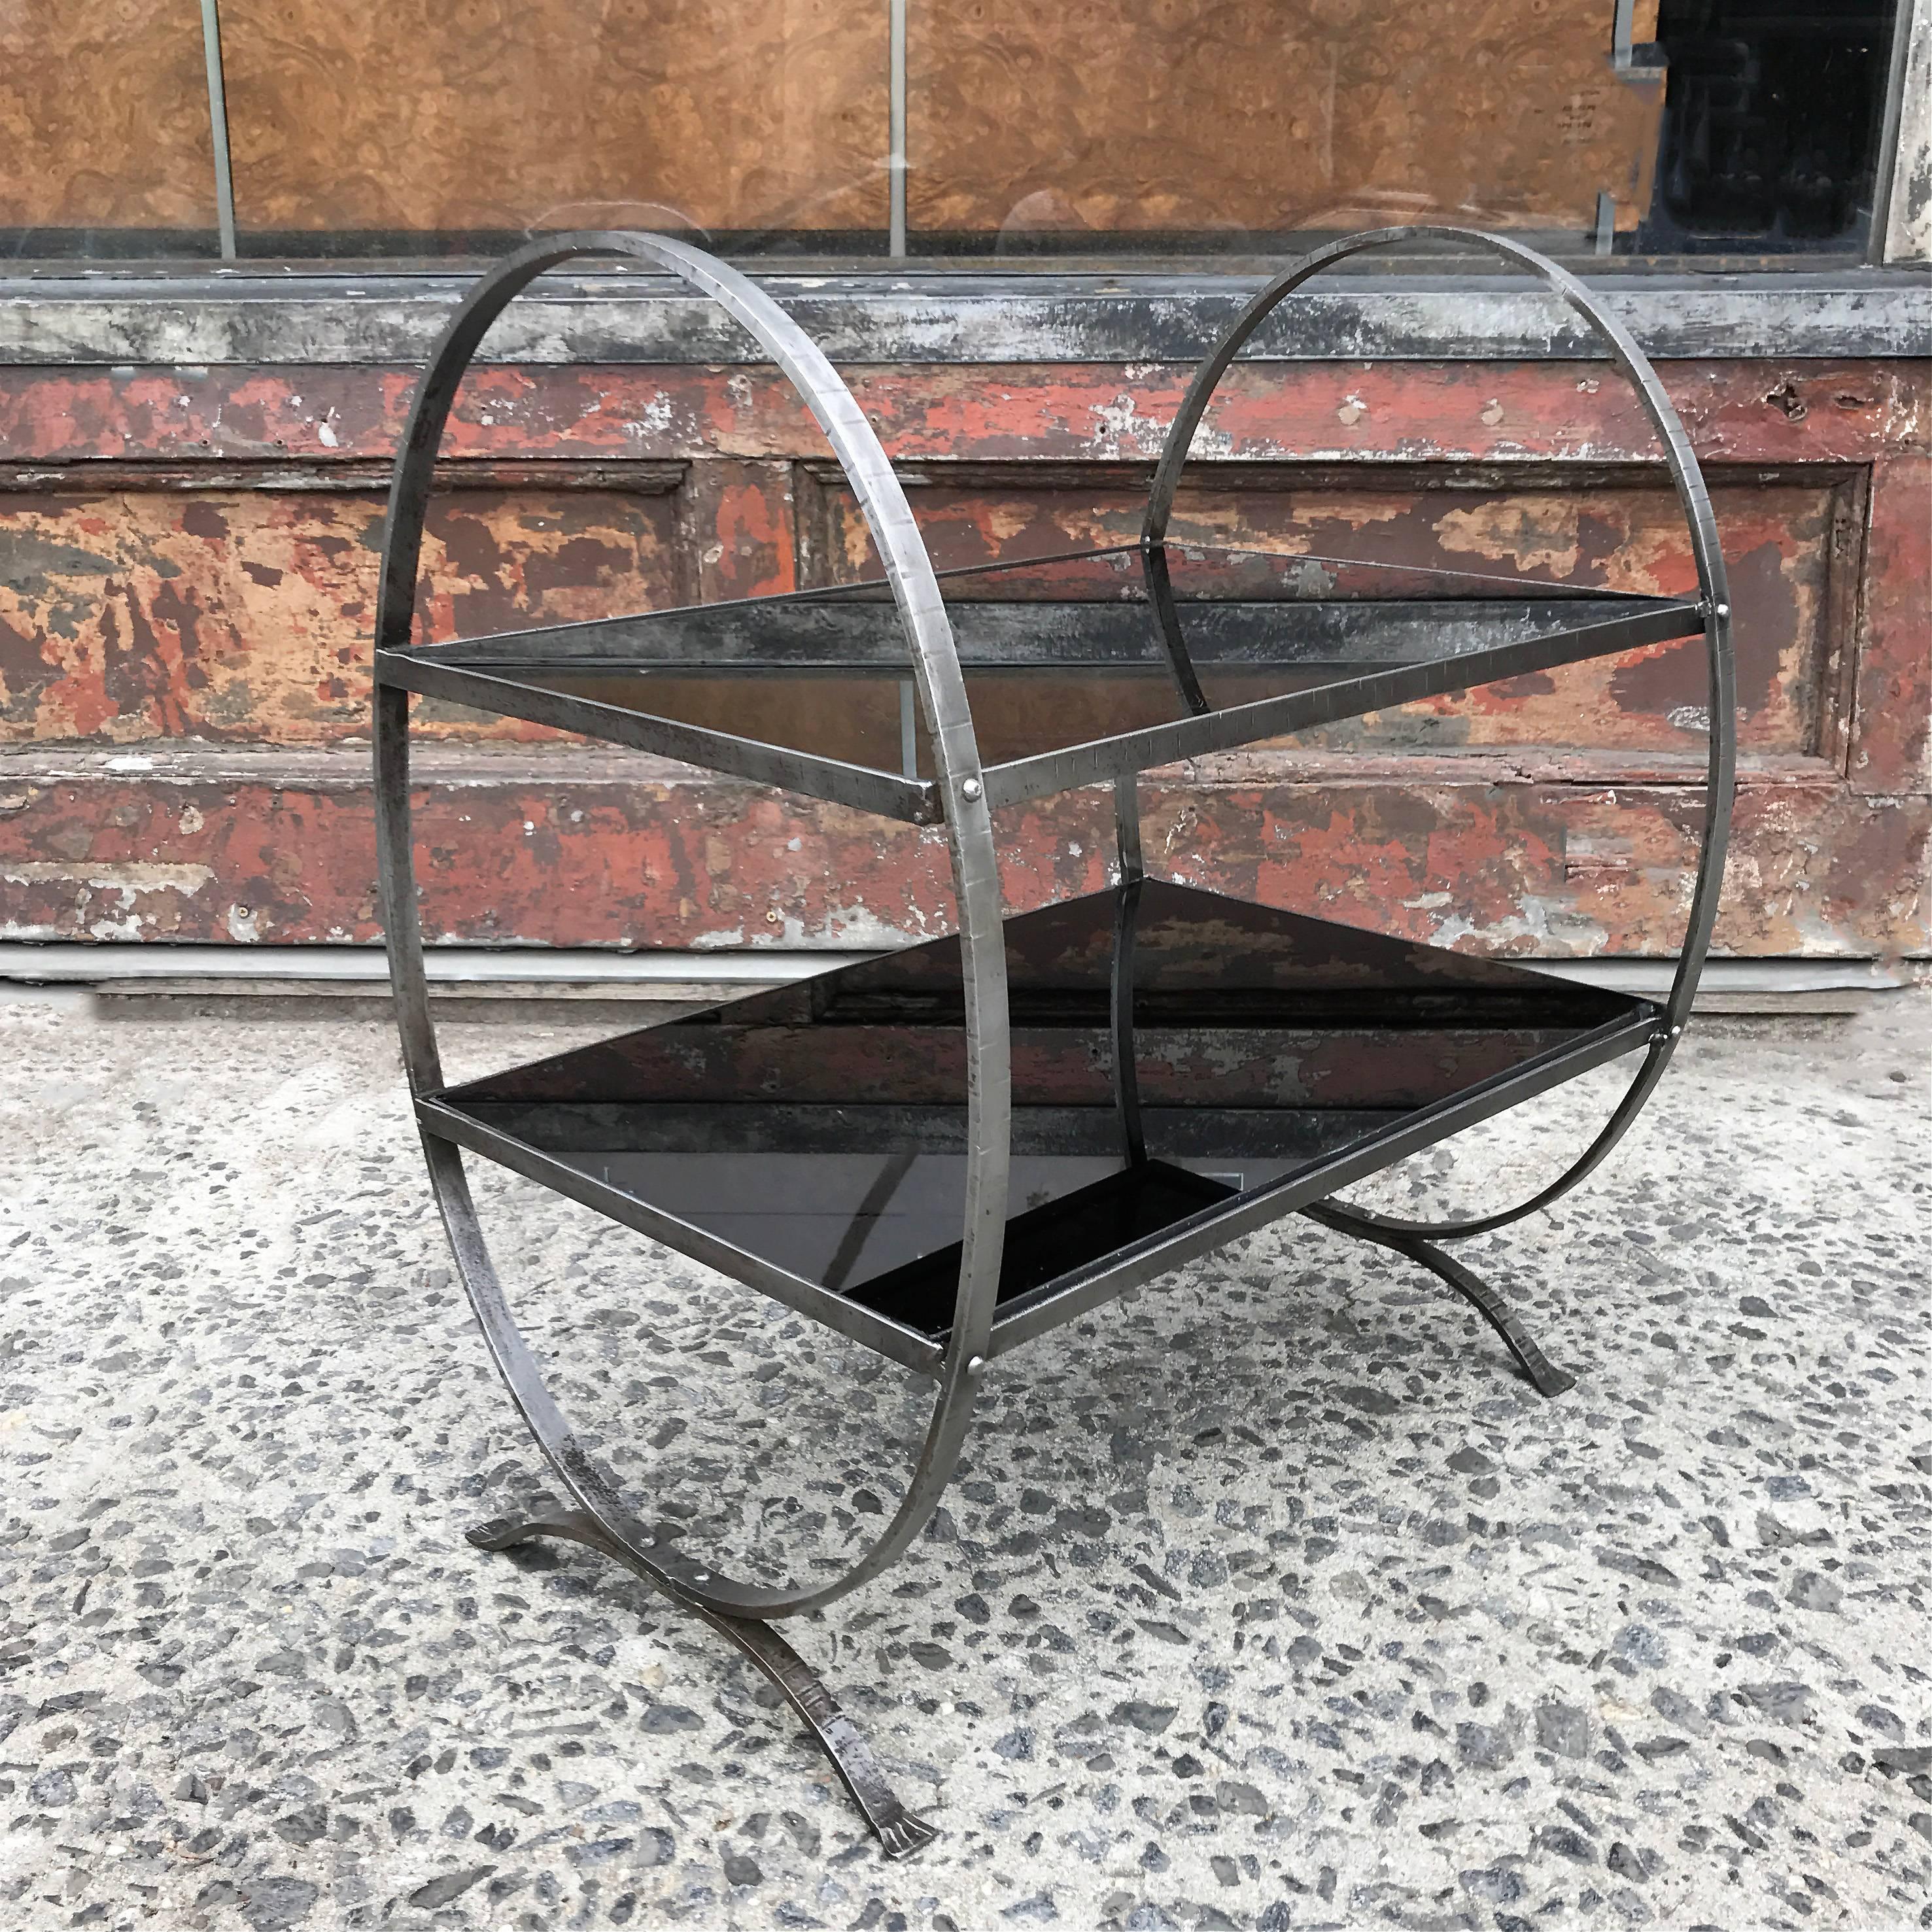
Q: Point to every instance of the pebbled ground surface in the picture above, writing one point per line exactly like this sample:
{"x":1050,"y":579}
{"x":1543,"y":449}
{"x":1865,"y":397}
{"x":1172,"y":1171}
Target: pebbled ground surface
{"x":1270,"y":1598}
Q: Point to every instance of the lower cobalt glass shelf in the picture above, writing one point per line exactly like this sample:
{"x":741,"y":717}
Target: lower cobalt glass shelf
{"x":811,"y":1142}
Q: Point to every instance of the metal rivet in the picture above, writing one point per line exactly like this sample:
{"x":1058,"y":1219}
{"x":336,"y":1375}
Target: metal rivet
{"x":976,"y":1364}
{"x":971,"y":788}
{"x":1721,"y":610}
{"x":647,"y":1543}
{"x":701,"y":1577}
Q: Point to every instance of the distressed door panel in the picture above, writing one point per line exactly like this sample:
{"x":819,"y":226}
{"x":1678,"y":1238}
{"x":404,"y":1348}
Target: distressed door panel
{"x":245,"y":615}
{"x":1620,"y":533}
{"x":580,"y":849}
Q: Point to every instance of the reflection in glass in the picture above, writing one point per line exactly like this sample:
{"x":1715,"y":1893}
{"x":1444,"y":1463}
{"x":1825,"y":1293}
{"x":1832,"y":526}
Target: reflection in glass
{"x":1217,"y":126}
{"x":1243,"y":122}
{"x":1771,"y":123}
{"x":818,"y":1134}
{"x":415,"y":127}
{"x":104,"y":130}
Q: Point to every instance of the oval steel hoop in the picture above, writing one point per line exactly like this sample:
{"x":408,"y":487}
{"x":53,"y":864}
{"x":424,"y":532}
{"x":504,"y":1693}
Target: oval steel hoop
{"x":975,"y":880}
{"x":1721,"y":770}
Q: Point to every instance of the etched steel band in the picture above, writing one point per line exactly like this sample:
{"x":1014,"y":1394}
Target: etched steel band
{"x":1720,"y":771}
{"x":975,"y":882}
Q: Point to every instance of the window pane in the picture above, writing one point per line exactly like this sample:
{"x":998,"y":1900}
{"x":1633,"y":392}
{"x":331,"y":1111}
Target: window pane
{"x":1772,"y":124}
{"x":418,"y":126}
{"x":103,"y":129}
{"x":1253,"y":124}
{"x":1249,"y":121}
{"x":1194,"y":127}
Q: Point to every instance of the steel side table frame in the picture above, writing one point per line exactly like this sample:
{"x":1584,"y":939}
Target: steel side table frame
{"x":601,"y":1517}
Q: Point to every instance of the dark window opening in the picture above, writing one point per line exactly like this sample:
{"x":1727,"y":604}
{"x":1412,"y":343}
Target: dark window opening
{"x":1773,"y":111}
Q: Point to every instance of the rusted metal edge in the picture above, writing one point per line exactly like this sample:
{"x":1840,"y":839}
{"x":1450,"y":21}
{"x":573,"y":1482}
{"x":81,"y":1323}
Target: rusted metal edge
{"x":197,"y":319}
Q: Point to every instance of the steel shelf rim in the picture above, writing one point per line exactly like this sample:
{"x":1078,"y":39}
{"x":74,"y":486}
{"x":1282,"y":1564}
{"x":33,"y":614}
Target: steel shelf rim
{"x":1226,"y":728}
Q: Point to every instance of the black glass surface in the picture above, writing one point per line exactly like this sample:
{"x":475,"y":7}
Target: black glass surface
{"x":1056,"y":652}
{"x":821,"y":1128}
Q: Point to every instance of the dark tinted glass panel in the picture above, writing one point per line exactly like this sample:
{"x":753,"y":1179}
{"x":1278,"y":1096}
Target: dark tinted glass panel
{"x":1051,"y":672}
{"x":821,"y":1129}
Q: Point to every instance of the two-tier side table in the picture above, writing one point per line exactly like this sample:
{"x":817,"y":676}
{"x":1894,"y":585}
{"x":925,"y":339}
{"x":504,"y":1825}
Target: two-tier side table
{"x":950,"y":1150}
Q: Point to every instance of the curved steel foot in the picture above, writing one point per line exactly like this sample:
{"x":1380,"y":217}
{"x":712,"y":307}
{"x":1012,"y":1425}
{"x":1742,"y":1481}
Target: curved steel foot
{"x":900,"y":1832}
{"x":1549,"y":1380}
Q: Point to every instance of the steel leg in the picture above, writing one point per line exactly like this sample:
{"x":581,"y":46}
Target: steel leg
{"x":1126,"y":910}
{"x":1549,"y":1380}
{"x":900,"y":1832}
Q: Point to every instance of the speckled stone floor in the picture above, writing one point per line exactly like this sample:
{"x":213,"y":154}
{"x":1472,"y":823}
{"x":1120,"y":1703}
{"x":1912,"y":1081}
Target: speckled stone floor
{"x":1270,"y":1598}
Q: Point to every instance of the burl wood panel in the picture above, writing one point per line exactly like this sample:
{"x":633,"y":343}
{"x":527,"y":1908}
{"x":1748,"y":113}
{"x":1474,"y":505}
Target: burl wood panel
{"x":104,"y":116}
{"x":1248,"y":114}
{"x":245,"y":616}
{"x":1788,"y":584}
{"x":418,"y":116}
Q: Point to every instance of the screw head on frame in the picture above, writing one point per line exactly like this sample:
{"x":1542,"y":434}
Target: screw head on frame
{"x":971,"y":788}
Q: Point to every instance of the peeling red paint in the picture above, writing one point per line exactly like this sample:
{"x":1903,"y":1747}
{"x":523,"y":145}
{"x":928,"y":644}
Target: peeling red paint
{"x":1437,"y":412}
{"x":596,"y":861}
{"x":1554,"y":815}
{"x":1892,"y":740}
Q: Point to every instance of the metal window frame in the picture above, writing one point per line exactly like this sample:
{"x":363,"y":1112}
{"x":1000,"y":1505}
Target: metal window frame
{"x":1905,"y":143}
{"x":217,"y":126}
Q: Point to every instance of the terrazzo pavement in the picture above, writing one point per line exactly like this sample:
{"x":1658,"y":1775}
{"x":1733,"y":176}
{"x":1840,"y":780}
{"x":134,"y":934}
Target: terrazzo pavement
{"x":1270,"y":1598}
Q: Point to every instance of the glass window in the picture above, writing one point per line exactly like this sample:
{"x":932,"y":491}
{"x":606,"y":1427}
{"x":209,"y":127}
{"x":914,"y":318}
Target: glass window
{"x":1161,"y":128}
{"x":1243,"y":125}
{"x":104,"y":130}
{"x":420,"y":127}
{"x":1772,"y":114}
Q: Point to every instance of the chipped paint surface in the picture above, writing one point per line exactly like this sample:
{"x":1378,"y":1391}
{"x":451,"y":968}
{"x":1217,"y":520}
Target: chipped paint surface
{"x":1627,"y":535}
{"x":189,"y":563}
{"x":244,"y":616}
{"x":1438,"y":412}
{"x":1480,"y":860}
{"x":1891,"y":739}
{"x":988,"y":315}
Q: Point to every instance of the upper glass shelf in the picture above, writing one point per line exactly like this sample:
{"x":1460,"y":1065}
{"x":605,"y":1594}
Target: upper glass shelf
{"x":1081,"y":666}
